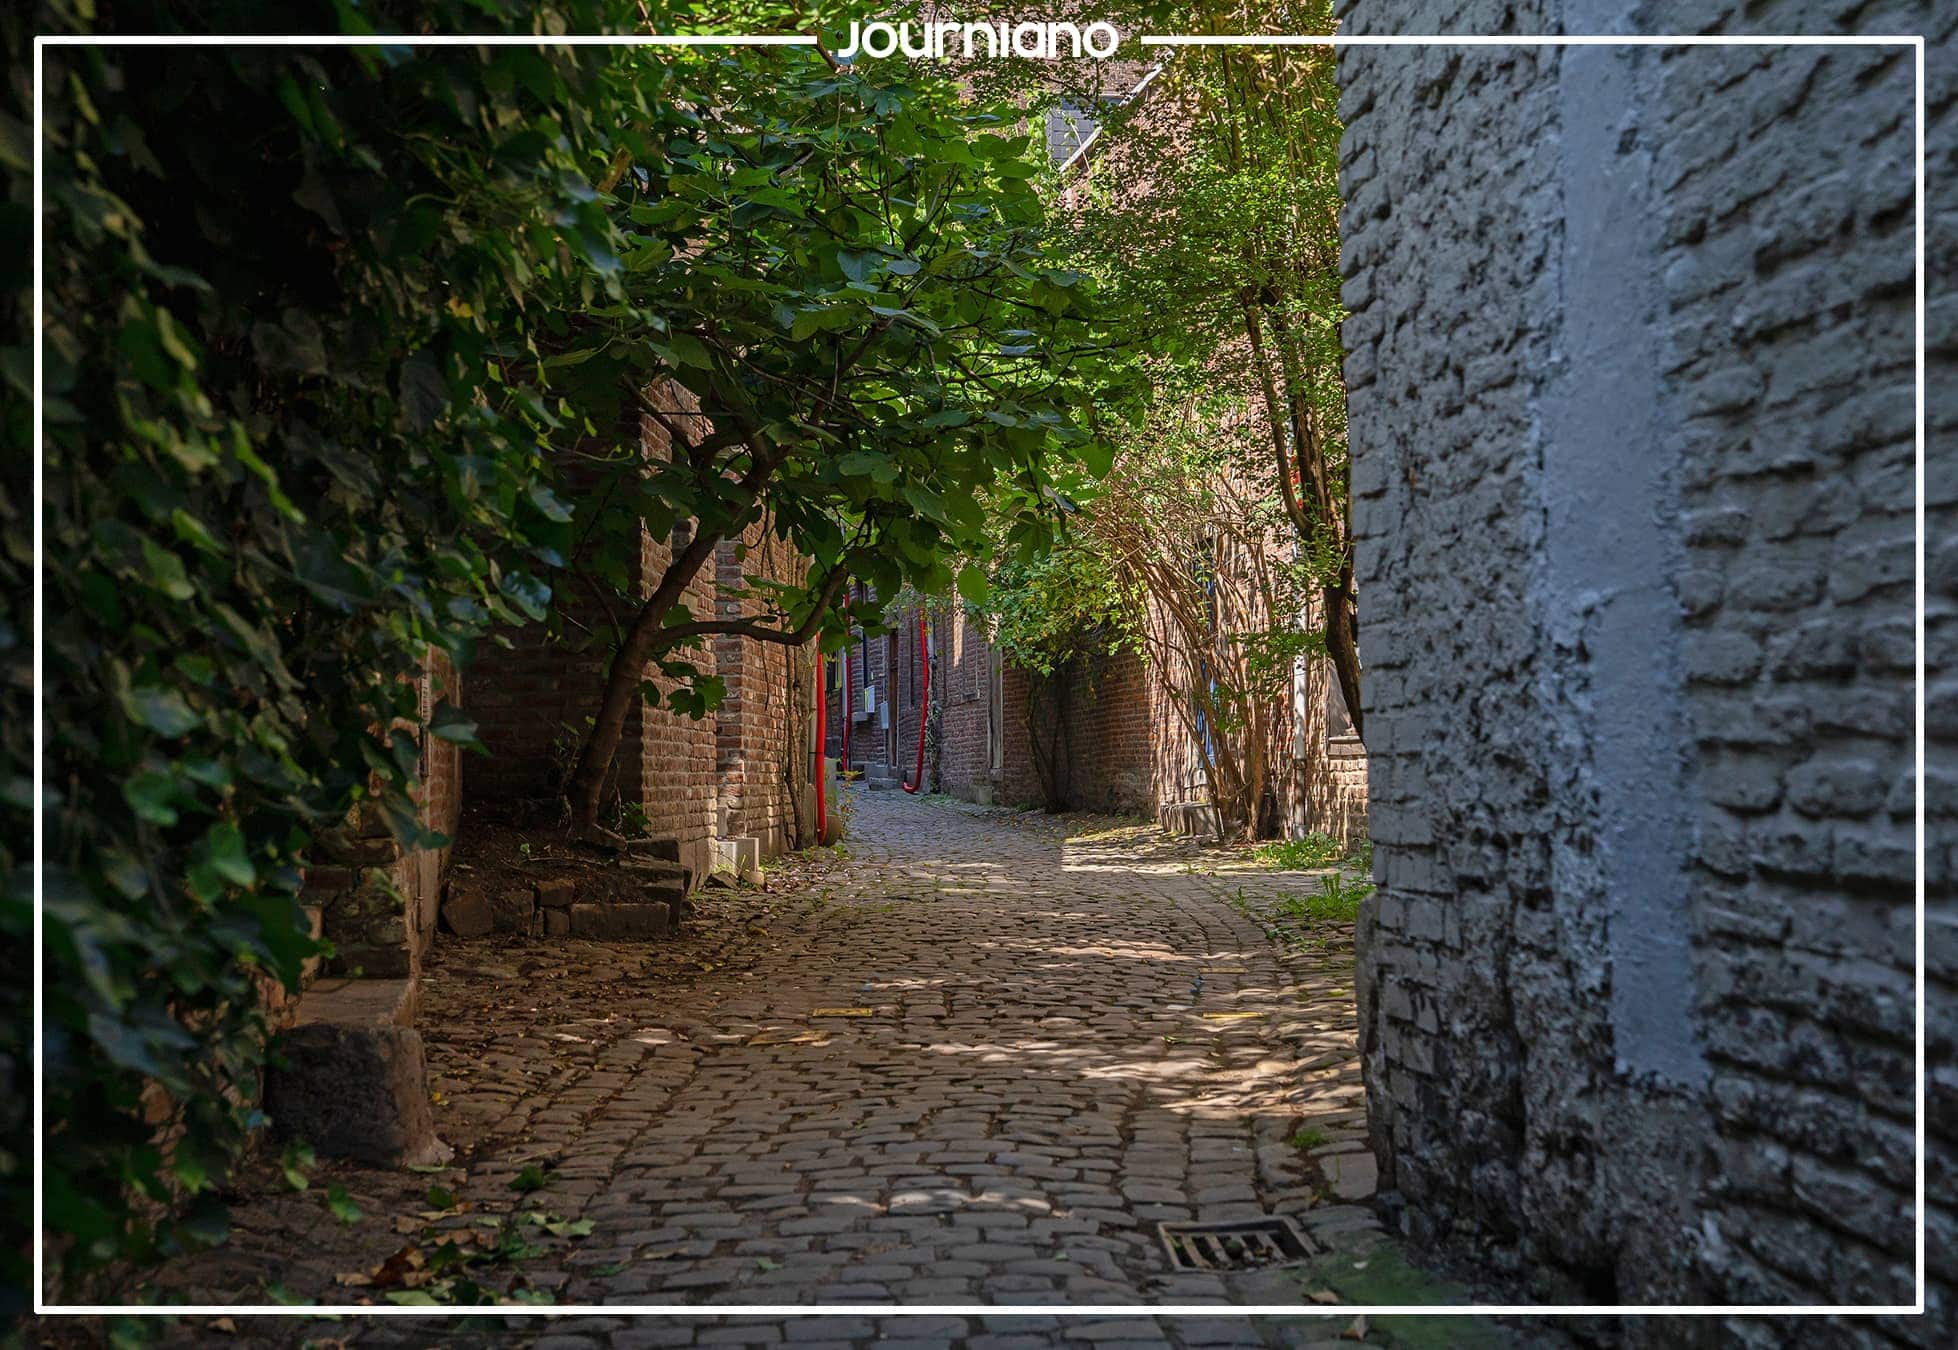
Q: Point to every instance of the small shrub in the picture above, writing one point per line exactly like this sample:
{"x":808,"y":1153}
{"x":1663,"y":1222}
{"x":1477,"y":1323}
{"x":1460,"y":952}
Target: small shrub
{"x":1360,"y":856}
{"x":1298,"y":855}
{"x":1337,"y":901}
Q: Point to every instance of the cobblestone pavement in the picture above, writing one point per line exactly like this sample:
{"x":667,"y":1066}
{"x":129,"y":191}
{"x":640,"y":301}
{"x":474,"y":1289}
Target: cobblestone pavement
{"x":976,"y":1063}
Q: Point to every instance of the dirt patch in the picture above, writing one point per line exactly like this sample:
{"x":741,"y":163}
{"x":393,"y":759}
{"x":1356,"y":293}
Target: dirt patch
{"x":493,"y":852}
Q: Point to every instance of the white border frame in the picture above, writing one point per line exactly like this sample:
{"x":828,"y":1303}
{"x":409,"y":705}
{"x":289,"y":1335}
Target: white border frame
{"x":706,"y":1311}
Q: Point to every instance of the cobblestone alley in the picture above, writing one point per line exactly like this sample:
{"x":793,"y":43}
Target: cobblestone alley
{"x":976,"y":1062}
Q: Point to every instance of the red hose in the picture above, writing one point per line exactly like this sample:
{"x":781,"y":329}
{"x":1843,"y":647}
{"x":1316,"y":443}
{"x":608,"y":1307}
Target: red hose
{"x":822,"y":745}
{"x":924,"y":702}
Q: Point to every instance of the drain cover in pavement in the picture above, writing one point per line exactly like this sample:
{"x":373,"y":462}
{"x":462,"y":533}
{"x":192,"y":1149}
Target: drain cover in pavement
{"x":1238,"y":1244}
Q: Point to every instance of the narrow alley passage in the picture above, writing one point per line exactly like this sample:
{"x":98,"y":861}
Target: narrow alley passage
{"x":978,"y":1061}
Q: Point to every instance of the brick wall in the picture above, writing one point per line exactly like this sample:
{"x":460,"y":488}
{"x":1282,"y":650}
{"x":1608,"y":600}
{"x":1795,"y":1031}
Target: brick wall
{"x":532,"y":697}
{"x":966,"y":712}
{"x":1108,"y":742}
{"x":1324,"y":777}
{"x":761,"y":726}
{"x":1629,"y":391}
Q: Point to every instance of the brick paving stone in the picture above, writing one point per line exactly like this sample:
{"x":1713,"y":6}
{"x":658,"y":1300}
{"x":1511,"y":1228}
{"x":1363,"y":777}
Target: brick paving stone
{"x":1037,"y":1078}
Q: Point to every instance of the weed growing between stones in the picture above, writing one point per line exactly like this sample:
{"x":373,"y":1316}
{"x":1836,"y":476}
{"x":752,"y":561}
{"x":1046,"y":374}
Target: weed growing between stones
{"x":1295,"y":855}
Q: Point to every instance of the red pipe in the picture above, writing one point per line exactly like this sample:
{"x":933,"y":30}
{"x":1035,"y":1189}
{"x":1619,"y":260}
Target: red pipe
{"x":924,"y":702}
{"x":822,"y":745}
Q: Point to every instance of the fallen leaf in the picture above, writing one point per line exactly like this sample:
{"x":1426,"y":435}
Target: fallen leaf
{"x":397,"y":1271}
{"x":1356,"y":1332}
{"x":840,"y":1012}
{"x":226,"y":1325}
{"x":353,"y":1279}
{"x":1323,"y":1296}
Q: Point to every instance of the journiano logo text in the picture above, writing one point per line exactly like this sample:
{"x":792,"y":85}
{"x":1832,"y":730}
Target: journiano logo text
{"x":1045,"y":41}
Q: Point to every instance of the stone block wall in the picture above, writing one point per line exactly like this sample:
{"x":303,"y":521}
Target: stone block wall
{"x":1631,"y":406}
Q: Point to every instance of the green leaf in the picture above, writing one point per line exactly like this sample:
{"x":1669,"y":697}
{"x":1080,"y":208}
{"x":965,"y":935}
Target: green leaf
{"x":973,"y":585}
{"x":152,"y":797}
{"x":341,"y":1205}
{"x":162,"y":710}
{"x":224,"y":845}
{"x":450,"y":723}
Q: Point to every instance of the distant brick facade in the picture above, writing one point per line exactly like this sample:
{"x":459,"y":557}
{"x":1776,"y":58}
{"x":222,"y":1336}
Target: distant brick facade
{"x":1105,"y":750}
{"x":1122,"y":746}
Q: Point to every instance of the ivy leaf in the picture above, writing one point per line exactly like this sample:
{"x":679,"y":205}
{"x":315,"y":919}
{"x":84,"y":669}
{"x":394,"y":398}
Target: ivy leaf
{"x":973,"y":585}
{"x":451,"y":724}
{"x":162,"y":710}
{"x":224,"y":847}
{"x":152,"y":797}
{"x":341,"y":1205}
{"x":424,"y":393}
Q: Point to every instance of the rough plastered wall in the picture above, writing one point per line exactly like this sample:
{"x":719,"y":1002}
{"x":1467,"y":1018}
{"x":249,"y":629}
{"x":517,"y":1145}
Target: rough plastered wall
{"x":1630,"y":395}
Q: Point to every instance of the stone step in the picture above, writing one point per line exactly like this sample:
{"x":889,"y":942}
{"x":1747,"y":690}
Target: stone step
{"x":655,"y":867}
{"x":629,"y":922}
{"x":354,"y":1082}
{"x":667,"y":850}
{"x":739,"y":855}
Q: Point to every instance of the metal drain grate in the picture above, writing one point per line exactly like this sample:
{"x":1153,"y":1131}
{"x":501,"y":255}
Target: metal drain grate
{"x":1239,"y":1244}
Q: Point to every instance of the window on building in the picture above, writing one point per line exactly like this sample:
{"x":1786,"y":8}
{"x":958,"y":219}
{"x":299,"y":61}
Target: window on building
{"x":1339,"y":722}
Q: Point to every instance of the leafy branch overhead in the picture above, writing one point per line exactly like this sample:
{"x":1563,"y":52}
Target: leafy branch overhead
{"x":841,"y":309}
{"x":337,"y":342}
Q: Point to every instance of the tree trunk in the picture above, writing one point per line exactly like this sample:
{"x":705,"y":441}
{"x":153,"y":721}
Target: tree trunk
{"x":586,"y":789}
{"x":1343,"y":645}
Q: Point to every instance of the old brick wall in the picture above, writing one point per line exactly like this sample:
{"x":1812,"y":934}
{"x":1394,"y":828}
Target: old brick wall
{"x":1630,"y":396}
{"x":377,"y":901}
{"x":759,"y":728}
{"x":1325,"y":772}
{"x":1109,"y":741}
{"x":964,"y":675}
{"x":670,"y":759}
{"x":531,"y":694}
{"x":532,"y":698}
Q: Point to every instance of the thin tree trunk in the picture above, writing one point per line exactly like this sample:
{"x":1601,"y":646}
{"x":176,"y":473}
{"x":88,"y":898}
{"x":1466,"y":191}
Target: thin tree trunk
{"x":1342,"y":645}
{"x":586,"y":790}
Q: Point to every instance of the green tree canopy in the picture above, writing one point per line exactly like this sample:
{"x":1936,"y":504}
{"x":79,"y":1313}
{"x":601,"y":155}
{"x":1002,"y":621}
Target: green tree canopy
{"x":851,"y":274}
{"x":321,"y":327}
